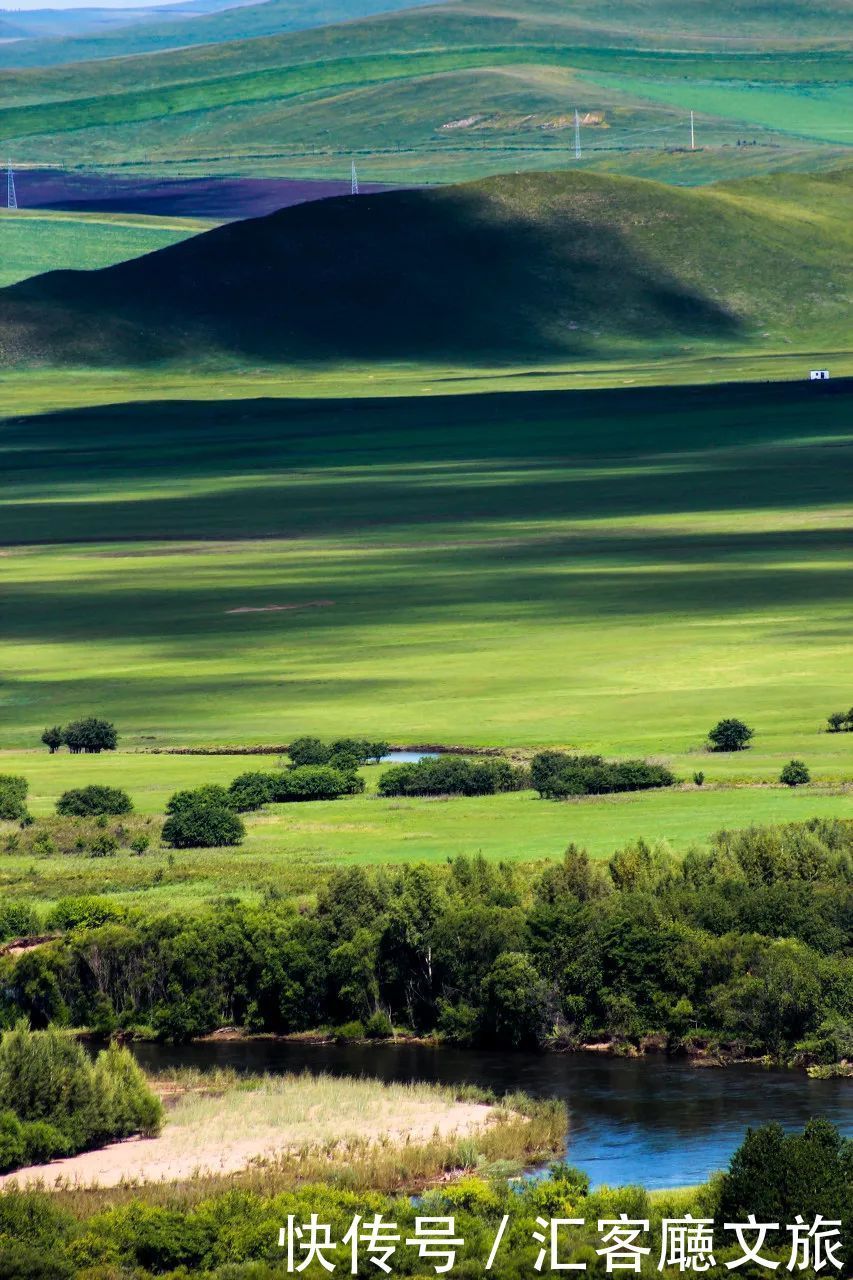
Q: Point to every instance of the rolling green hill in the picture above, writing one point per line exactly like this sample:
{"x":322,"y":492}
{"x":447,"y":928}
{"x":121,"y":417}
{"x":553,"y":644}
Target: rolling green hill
{"x":445,"y":92}
{"x":146,"y":32}
{"x":524,"y":267}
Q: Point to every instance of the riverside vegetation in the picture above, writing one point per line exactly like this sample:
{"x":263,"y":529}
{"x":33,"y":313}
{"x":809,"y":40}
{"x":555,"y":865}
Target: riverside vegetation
{"x":232,"y":1233}
{"x":742,"y":948}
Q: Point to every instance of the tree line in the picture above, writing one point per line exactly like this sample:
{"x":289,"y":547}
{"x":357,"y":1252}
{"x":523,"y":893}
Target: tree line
{"x":744,"y":946}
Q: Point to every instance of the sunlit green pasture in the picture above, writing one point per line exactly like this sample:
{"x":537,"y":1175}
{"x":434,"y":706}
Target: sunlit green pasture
{"x":37,"y":240}
{"x":609,"y":570}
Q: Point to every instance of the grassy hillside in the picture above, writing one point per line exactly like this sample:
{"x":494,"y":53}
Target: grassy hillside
{"x":612,"y":569}
{"x":35,"y":241}
{"x":528,"y":267}
{"x":456,"y":90}
{"x":146,"y":32}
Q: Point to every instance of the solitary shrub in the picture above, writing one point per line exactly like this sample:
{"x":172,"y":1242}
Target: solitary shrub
{"x":250,"y":791}
{"x":140,"y":844}
{"x":85,"y":802}
{"x":730,"y":735}
{"x":52,"y":738}
{"x":13,"y":797}
{"x":315,"y":782}
{"x":839,"y":720}
{"x":378,"y":1026}
{"x":90,"y":735}
{"x":202,"y":819}
{"x":103,"y":845}
{"x":795,"y":774}
{"x":699,"y":778}
{"x":17,"y":920}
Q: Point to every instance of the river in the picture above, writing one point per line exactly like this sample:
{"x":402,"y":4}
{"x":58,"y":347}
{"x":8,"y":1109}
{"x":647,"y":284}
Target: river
{"x":650,"y":1121}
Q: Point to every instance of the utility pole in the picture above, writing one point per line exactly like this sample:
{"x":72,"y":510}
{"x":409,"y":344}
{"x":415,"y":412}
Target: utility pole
{"x":353,"y":180}
{"x":577,"y":135}
{"x":692,"y":134}
{"x":11,"y":197}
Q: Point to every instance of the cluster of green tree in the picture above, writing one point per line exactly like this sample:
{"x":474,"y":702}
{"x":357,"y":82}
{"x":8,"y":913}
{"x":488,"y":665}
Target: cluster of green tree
{"x":93,"y":801}
{"x":208,"y":817}
{"x":90,"y":735}
{"x":452,"y":776}
{"x":233,"y":1234}
{"x":55,"y":1100}
{"x":556,"y":775}
{"x":13,"y":797}
{"x":249,"y":791}
{"x":746,"y":944}
{"x":840,"y":722}
{"x":345,"y":754}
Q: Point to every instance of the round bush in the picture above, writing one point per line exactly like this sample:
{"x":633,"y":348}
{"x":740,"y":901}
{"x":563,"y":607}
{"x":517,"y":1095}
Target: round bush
{"x":92,"y":801}
{"x":250,"y":791}
{"x":795,"y":774}
{"x":202,"y":819}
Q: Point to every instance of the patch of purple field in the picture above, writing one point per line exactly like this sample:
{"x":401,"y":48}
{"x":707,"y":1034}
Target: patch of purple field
{"x":225,"y":199}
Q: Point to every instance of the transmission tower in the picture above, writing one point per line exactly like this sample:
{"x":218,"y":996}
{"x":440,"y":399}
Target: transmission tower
{"x":577,"y":136}
{"x":692,"y":134}
{"x":11,"y":197}
{"x":354,"y":180}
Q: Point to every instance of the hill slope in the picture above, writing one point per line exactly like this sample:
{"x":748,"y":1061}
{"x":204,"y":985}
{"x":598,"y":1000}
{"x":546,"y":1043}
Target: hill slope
{"x":530,"y":266}
{"x":451,"y":91}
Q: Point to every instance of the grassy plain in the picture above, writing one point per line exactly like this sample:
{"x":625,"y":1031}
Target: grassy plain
{"x":37,"y":240}
{"x":292,"y":848}
{"x":610,"y":569}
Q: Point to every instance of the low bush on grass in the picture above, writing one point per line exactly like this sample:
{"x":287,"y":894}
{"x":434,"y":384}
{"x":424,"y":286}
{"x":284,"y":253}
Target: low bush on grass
{"x":451,"y":776}
{"x":840,"y":722}
{"x":556,"y":775}
{"x":795,"y":774}
{"x":250,"y":791}
{"x":89,"y":736}
{"x":202,"y":819}
{"x":13,"y":797}
{"x":730,"y":735}
{"x":86,"y":802}
{"x":316,"y":782}
{"x":54,"y":1100}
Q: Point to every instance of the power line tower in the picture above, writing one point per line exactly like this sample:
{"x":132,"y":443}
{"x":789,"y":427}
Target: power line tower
{"x":692,"y":134}
{"x":577,"y":135}
{"x":11,"y":197}
{"x":353,"y":180}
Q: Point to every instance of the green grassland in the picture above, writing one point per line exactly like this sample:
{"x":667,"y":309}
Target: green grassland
{"x":611,"y":569}
{"x":456,"y":91}
{"x":37,"y":240}
{"x":294,"y":847}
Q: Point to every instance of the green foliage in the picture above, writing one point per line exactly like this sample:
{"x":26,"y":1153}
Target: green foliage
{"x":52,"y":738}
{"x":315,"y":782}
{"x":556,"y":775}
{"x":90,"y":735}
{"x":13,"y":797}
{"x":17,"y":920}
{"x":777,"y":1175}
{"x":379,"y":1026}
{"x":699,"y":778}
{"x":250,"y":791}
{"x":730,"y":735}
{"x":54,"y":1100}
{"x":86,"y":802}
{"x":451,"y":775}
{"x":202,"y":819}
{"x":795,"y":774}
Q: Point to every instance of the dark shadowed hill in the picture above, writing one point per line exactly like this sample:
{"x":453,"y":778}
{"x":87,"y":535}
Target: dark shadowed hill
{"x":527,"y":266}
